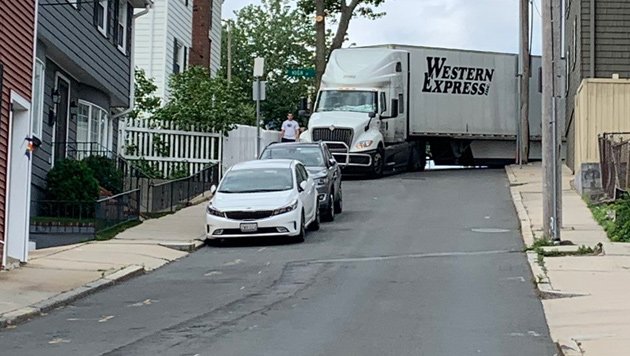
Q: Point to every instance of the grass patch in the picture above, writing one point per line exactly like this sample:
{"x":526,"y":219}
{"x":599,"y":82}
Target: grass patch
{"x":110,"y":233}
{"x":542,"y":242}
{"x":614,"y":218}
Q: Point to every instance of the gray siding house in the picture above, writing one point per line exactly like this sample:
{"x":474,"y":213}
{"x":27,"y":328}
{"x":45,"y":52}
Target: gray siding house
{"x":83,"y":78}
{"x":597,"y":45}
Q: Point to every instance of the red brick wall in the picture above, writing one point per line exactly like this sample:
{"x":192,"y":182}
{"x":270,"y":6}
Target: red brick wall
{"x":17,"y":26}
{"x":202,"y":22}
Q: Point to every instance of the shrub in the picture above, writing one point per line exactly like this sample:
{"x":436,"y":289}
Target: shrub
{"x":71,"y":180}
{"x":106,"y":173}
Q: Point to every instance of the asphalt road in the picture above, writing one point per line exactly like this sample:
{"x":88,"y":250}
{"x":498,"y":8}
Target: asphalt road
{"x":418,"y":264}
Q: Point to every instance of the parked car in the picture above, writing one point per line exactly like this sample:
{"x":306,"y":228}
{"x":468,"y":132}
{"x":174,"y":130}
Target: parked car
{"x":263,"y":198}
{"x":321,"y":165}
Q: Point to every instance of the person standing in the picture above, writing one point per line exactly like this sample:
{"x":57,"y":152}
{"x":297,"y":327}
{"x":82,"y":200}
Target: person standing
{"x":290,"y":129}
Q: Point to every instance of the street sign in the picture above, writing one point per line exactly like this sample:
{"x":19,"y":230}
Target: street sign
{"x":259,"y":66}
{"x":263,"y":89}
{"x":301,"y":72}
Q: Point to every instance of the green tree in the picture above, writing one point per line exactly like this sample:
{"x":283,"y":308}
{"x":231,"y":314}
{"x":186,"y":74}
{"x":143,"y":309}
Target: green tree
{"x":336,"y":13}
{"x":144,"y":92}
{"x":207,"y":103}
{"x":284,"y":36}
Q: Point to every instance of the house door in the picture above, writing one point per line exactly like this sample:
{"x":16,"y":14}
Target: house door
{"x":19,"y":180}
{"x":61,"y":127}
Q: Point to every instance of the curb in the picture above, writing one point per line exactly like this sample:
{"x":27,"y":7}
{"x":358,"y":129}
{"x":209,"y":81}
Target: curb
{"x":184,"y":246}
{"x":26,"y":313}
{"x":527,"y":234}
{"x":569,"y":347}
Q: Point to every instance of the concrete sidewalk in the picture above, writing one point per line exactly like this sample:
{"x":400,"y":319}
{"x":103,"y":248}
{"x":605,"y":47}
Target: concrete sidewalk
{"x":585,"y":297}
{"x":56,"y":276}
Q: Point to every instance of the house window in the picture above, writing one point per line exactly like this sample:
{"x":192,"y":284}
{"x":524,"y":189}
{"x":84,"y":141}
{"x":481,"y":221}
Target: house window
{"x":101,"y":15}
{"x":122,"y":26}
{"x":180,"y":53}
{"x":94,"y":130}
{"x":38,"y":98}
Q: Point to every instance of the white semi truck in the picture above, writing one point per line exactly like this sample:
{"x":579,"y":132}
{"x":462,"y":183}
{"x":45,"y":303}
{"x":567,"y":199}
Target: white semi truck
{"x":388,"y":107}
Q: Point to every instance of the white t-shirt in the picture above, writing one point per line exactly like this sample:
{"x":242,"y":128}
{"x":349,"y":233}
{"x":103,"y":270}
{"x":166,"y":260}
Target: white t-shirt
{"x":290,"y":128}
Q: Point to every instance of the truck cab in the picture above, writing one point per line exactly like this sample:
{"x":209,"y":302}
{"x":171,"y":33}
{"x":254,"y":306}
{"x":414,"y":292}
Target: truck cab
{"x":361,"y":108}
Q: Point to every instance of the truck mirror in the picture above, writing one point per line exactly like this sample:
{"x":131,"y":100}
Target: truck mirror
{"x":372,"y":115}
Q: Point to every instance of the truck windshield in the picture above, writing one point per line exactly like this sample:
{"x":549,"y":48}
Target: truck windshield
{"x":336,"y":100}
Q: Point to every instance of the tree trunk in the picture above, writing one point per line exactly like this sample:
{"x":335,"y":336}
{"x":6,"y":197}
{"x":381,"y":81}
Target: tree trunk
{"x":320,"y":43}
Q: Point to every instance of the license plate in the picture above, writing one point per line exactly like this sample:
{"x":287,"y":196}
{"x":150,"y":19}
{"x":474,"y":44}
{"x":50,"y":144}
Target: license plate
{"x":249,"y":227}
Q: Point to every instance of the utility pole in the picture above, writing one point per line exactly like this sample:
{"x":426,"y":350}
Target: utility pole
{"x":558,"y":92}
{"x":320,"y":41}
{"x":523,"y":153}
{"x":547,"y":121}
{"x":552,"y":173}
{"x":229,"y":52}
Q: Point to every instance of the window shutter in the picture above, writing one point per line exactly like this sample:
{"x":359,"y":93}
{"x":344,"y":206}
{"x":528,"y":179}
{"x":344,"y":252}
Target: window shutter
{"x":95,"y":13}
{"x":175,"y":66}
{"x":129,"y":24}
{"x":110,"y":19}
{"x":114,"y":6}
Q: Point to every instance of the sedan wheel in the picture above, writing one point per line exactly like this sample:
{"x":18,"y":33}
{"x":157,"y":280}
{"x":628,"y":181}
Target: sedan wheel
{"x":329,"y":215}
{"x":314,"y":226}
{"x":339,"y":204}
{"x":300,"y":237}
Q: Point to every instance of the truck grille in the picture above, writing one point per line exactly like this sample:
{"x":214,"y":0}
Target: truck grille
{"x":248,"y":215}
{"x":335,"y":135}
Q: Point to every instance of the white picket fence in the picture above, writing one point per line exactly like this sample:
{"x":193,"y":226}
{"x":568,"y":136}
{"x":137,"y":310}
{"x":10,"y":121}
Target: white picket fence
{"x":167,"y":145}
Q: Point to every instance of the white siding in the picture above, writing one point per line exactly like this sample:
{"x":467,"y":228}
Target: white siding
{"x":215,"y":36}
{"x":179,"y":26}
{"x":150,"y":42}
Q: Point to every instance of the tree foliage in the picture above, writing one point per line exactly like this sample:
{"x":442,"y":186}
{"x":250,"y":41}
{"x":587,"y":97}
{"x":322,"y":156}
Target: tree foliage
{"x":144,"y":92}
{"x":339,"y":13}
{"x":207,"y":103}
{"x":284,"y":36}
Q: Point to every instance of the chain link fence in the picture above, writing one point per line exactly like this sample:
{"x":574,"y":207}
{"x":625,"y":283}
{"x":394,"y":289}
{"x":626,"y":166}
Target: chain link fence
{"x":614,"y":159}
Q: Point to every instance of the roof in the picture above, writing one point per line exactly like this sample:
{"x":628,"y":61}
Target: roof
{"x":294,"y":144}
{"x":269,"y":163}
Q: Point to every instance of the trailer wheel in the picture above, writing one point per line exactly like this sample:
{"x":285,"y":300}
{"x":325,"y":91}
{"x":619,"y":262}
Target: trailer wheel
{"x":417,"y":158}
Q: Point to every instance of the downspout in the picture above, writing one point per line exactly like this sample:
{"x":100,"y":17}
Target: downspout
{"x":592,"y":44}
{"x":132,"y":67}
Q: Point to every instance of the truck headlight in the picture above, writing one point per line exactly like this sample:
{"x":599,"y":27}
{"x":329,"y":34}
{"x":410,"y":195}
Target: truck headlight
{"x":364,"y":144}
{"x":213,"y":211}
{"x":286,"y":209}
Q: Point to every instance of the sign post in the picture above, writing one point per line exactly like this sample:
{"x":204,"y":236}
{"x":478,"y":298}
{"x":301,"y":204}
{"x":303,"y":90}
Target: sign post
{"x":259,"y":68}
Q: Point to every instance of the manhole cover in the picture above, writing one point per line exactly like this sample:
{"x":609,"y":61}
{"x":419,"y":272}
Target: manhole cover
{"x":490,"y":230}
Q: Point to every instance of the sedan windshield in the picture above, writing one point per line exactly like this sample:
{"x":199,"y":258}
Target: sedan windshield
{"x":309,"y":156}
{"x":337,"y":100}
{"x":257,"y":180}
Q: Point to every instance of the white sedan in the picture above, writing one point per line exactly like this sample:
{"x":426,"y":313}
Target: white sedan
{"x":263,"y":198}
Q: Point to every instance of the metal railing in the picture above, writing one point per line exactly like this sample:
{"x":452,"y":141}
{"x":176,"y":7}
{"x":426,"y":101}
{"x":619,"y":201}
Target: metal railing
{"x":169,"y":196}
{"x":117,"y":209}
{"x":614,"y":159}
{"x":85,"y":218}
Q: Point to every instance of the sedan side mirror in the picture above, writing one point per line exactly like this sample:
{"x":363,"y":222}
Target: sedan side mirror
{"x":213,"y":189}
{"x":302,"y":186}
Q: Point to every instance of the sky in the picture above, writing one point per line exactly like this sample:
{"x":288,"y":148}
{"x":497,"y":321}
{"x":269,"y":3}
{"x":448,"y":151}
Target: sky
{"x":486,"y":25}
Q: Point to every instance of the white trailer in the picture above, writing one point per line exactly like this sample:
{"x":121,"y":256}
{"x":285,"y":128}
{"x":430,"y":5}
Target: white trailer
{"x":385,"y":107}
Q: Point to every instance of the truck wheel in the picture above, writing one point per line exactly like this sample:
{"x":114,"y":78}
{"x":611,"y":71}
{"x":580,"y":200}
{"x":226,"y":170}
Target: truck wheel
{"x":378,"y":162}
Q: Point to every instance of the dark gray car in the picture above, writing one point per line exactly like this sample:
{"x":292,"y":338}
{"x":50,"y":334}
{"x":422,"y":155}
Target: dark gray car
{"x":320,"y":165}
